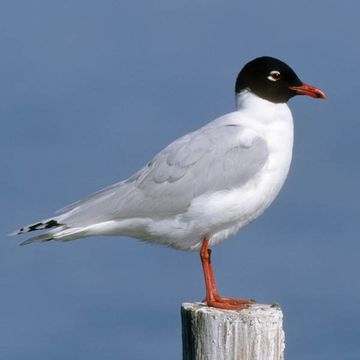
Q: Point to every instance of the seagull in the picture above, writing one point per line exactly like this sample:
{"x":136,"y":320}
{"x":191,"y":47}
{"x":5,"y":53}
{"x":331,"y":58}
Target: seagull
{"x":204,"y":186}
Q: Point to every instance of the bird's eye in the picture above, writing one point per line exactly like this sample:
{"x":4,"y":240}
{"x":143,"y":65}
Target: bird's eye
{"x":274,"y":76}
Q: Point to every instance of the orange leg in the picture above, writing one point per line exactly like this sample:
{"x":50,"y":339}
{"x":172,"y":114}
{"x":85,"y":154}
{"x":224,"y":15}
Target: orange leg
{"x":212,"y":297}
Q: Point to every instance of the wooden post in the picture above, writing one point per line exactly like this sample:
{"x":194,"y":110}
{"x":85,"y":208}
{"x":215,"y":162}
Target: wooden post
{"x":213,"y":334}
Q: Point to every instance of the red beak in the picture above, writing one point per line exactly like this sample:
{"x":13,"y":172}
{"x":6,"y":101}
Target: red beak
{"x":308,"y":90}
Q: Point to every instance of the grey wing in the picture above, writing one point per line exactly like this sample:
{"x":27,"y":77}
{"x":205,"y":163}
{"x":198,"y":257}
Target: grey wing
{"x":210,"y":159}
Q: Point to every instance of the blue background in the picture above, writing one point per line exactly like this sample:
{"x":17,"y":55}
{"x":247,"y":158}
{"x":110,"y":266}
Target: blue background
{"x":91,"y":90}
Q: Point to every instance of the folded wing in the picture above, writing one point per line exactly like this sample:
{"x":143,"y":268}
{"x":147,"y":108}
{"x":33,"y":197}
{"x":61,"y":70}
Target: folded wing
{"x":211,"y":159}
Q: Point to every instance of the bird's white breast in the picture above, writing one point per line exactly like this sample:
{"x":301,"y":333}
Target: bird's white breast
{"x":220,"y":214}
{"x":274,"y":123}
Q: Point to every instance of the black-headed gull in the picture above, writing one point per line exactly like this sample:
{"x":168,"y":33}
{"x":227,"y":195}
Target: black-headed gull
{"x":204,"y":186}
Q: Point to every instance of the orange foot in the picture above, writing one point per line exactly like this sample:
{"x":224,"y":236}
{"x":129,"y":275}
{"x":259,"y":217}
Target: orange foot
{"x":228,"y":303}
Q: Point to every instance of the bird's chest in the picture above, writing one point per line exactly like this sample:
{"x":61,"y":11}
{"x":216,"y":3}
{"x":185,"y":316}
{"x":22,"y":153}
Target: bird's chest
{"x":268,"y":182}
{"x":235,"y":209}
{"x":241,"y":205}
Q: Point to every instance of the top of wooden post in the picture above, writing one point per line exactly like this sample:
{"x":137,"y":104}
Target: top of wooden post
{"x":215,"y":334}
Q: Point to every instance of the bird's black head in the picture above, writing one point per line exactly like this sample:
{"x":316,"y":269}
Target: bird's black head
{"x":273,"y":80}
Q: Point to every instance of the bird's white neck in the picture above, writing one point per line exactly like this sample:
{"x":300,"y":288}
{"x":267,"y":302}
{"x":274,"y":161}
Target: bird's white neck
{"x":246,"y":99}
{"x":263,"y":110}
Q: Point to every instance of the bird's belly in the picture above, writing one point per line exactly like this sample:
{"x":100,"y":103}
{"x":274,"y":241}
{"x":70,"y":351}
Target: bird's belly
{"x":228,"y":211}
{"x":220,"y":214}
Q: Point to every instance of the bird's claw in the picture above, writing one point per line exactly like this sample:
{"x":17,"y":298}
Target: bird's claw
{"x":220,"y":302}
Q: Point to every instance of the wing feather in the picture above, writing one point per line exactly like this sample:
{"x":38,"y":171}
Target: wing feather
{"x":212,"y":158}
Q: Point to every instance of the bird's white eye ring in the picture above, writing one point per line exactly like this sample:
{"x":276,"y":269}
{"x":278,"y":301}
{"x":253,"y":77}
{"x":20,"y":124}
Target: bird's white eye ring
{"x":274,"y":75}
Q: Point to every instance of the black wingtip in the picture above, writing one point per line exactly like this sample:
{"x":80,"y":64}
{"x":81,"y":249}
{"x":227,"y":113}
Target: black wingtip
{"x":38,"y":226}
